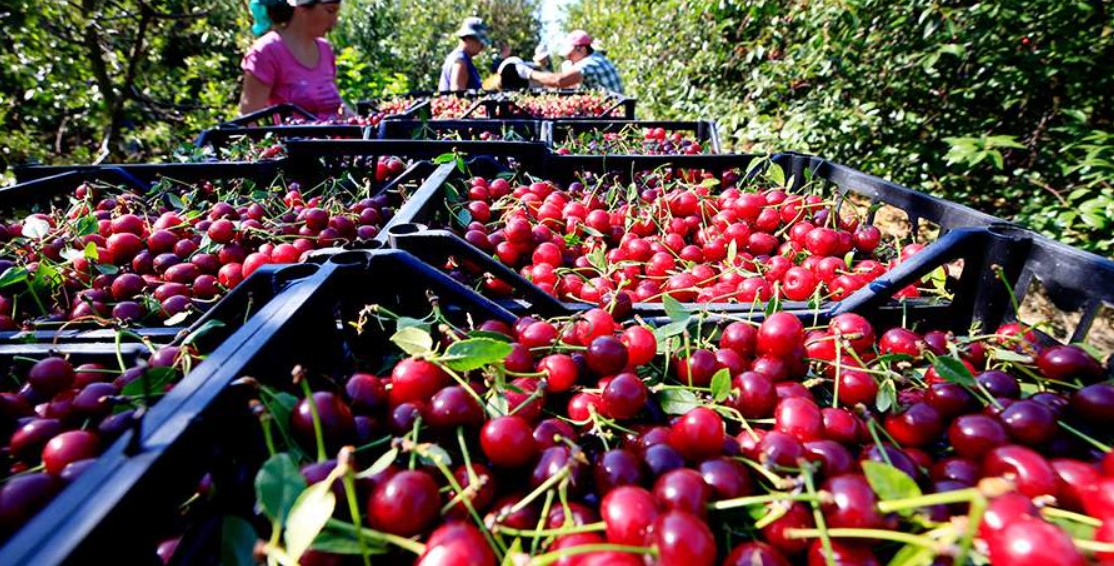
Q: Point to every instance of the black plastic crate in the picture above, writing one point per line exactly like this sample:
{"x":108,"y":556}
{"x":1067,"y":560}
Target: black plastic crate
{"x":275,"y":115}
{"x":410,"y":229}
{"x":220,"y":138}
{"x":203,"y":425}
{"x":432,"y":105}
{"x":138,"y":174}
{"x":233,"y":306}
{"x":453,"y":130}
{"x":556,"y":133}
{"x":318,"y":157}
{"x":512,"y":105}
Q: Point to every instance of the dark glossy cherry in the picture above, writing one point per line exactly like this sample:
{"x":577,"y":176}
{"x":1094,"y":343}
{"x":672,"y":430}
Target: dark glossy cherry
{"x":1029,"y":422}
{"x":548,"y":432}
{"x":661,"y":458}
{"x":1030,"y":541}
{"x":1067,"y":363}
{"x":624,"y":395}
{"x":755,"y":554}
{"x":552,"y":461}
{"x":366,"y":393}
{"x":616,"y":468}
{"x":780,"y":450}
{"x":405,"y":504}
{"x":1000,"y":384}
{"x":1095,"y":404}
{"x":918,"y":425}
{"x":972,"y":436}
{"x":841,"y":425}
{"x":579,"y":514}
{"x":337,"y":425}
{"x":606,"y":355}
{"x":413,"y":379}
{"x":22,"y":496}
{"x":949,"y":399}
{"x":628,"y":511}
{"x":51,"y":375}
{"x":508,"y":441}
{"x":403,"y":416}
{"x":682,"y":539}
{"x":853,"y":503}
{"x":843,"y":554}
{"x":834,"y":458}
{"x":754,"y":394}
{"x":501,"y":513}
{"x":478,"y":483}
{"x":956,"y":469}
{"x":728,"y":478}
{"x":28,"y":440}
{"x":454,"y":406}
{"x":697,"y":369}
{"x":683,"y":489}
{"x":797,"y":516}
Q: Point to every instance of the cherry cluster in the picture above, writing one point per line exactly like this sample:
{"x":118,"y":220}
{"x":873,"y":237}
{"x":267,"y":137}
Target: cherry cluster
{"x":565,"y":106}
{"x":675,"y":237}
{"x":110,"y":254}
{"x":631,"y":141}
{"x":581,"y":441}
{"x":61,"y":416}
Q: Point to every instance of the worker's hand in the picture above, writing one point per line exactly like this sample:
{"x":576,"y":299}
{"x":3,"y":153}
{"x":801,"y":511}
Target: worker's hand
{"x":523,"y":70}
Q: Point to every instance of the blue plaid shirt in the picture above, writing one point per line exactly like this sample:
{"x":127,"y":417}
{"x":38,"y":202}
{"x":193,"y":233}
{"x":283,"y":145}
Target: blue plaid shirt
{"x":599,"y":72}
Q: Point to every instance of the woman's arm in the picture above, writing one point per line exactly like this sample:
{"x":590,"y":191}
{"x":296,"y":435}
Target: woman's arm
{"x":255,"y":94}
{"x":458,"y":78}
{"x":557,"y":80}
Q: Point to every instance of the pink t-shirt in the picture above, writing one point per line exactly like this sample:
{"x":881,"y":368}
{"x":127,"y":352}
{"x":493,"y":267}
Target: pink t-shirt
{"x":314,"y":89}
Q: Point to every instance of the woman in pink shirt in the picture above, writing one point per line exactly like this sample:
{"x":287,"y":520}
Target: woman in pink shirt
{"x":292,"y":62}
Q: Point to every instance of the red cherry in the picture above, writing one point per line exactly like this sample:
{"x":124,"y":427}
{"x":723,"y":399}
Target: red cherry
{"x":508,"y":441}
{"x":780,"y":334}
{"x":1029,"y":541}
{"x":628,"y":512}
{"x":682,"y":539}
{"x":457,"y":543}
{"x":698,"y":434}
{"x":69,"y":447}
{"x":1033,"y":474}
{"x":405,"y":504}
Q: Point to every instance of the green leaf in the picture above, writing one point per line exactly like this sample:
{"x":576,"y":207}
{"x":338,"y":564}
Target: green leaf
{"x":380,"y":464}
{"x":889,"y":482}
{"x":721,"y":385}
{"x":336,"y":540}
{"x":277,"y":486}
{"x":308,"y":516}
{"x":156,"y":381}
{"x":175,"y":201}
{"x":237,"y":545}
{"x":413,"y":341}
{"x":886,"y":397}
{"x":209,"y":326}
{"x":85,"y":225}
{"x":674,"y":310}
{"x":475,"y":353}
{"x":913,"y":555}
{"x":776,"y":174}
{"x":434,"y":454}
{"x":445,"y":158}
{"x":90,"y":253}
{"x":281,"y":406}
{"x":669,"y":330}
{"x":678,"y":401}
{"x":405,"y":322}
{"x":1005,"y":355}
{"x":490,"y":335}
{"x":13,"y":275}
{"x":953,"y":370}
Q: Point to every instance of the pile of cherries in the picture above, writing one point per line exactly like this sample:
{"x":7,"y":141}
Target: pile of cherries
{"x":772,"y":443}
{"x":60,"y":415}
{"x":674,"y":236}
{"x":631,"y":141}
{"x":589,"y":104}
{"x":110,"y":255}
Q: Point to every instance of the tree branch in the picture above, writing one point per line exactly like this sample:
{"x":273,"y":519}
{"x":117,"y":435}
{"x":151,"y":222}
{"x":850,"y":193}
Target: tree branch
{"x":116,"y":110}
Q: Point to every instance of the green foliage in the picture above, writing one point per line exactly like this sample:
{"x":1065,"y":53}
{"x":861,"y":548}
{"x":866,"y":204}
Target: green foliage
{"x":937,"y":95}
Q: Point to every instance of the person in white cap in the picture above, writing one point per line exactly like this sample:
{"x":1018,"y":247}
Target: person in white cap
{"x":589,"y":67}
{"x":542,"y":60}
{"x":459,"y":72}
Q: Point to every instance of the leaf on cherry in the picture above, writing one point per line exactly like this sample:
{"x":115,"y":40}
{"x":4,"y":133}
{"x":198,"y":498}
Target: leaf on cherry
{"x":413,"y":341}
{"x":277,"y":486}
{"x":308,"y":516}
{"x":721,"y":385}
{"x":381,"y":464}
{"x":13,"y":275}
{"x":238,"y":538}
{"x":475,"y":353}
{"x":674,"y":310}
{"x":953,"y":370}
{"x":889,"y":482}
{"x":678,"y":401}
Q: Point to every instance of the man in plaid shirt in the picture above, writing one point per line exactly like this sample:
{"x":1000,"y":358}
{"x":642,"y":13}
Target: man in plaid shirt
{"x":590,"y":69}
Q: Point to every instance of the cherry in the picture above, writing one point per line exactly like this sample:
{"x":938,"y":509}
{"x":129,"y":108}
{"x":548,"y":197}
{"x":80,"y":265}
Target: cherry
{"x":405,"y":504}
{"x":1076,"y":482}
{"x":366,"y":393}
{"x":697,"y":369}
{"x":606,"y":355}
{"x":1066,"y":363}
{"x":1029,"y":422}
{"x":800,"y":418}
{"x":852,"y":503}
{"x":698,"y":435}
{"x":508,"y":441}
{"x":337,"y":425}
{"x":739,"y":337}
{"x":841,"y":425}
{"x":778,"y":449}
{"x":857,"y":387}
{"x":22,"y":496}
{"x":1030,"y":541}
{"x":901,"y":341}
{"x":624,"y":396}
{"x":480,"y":495}
{"x":453,"y":406}
{"x":51,"y":375}
{"x":999,"y":384}
{"x":833,"y":457}
{"x":27,"y":443}
{"x":661,"y":458}
{"x":683,"y":489}
{"x":1100,"y":501}
{"x":616,"y":468}
{"x":780,"y":334}
{"x":641,"y":345}
{"x":728,"y":478}
{"x":973,"y":436}
{"x":949,"y":399}
{"x":843,"y":554}
{"x":755,"y":554}
{"x":797,"y":516}
{"x":628,"y":511}
{"x":69,"y":447}
{"x":855,"y":329}
{"x":572,"y":540}
{"x":1095,"y":404}
{"x":548,"y":433}
{"x":754,"y":395}
{"x":682,"y":539}
{"x":413,"y":379}
{"x":956,"y":469}
{"x":456,"y":543}
{"x":552,"y":461}
{"x":1032,"y":473}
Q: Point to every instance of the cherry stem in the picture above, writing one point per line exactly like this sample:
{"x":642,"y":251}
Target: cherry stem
{"x":551,"y":557}
{"x":542,"y":533}
{"x":354,"y":509}
{"x":1104,"y":447}
{"x":401,"y":542}
{"x":1094,"y":545}
{"x":817,"y":514}
{"x":1071,"y":516}
{"x":945,"y":498}
{"x":530,"y":497}
{"x":318,"y":434}
{"x":750,"y":500}
{"x":880,"y":534}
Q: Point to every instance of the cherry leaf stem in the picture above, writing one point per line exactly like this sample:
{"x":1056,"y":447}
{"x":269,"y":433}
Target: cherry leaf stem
{"x":371,"y":534}
{"x":818,"y":515}
{"x":318,"y":433}
{"x":1080,"y":518}
{"x":545,"y":486}
{"x":542,"y":533}
{"x":1083,"y":436}
{"x":944,"y":498}
{"x":354,"y":509}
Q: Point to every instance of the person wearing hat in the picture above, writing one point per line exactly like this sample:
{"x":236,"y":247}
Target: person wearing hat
{"x":542,"y":60}
{"x":291,"y":61}
{"x":589,"y":67}
{"x":459,"y":72}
